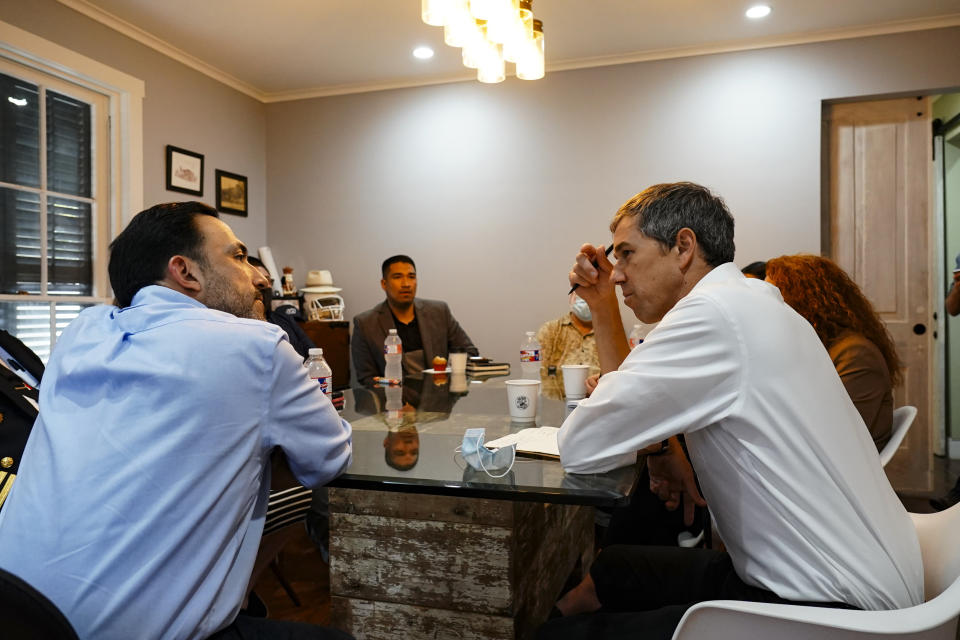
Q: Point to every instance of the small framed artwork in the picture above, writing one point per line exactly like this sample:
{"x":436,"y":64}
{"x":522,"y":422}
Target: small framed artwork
{"x":184,"y":171}
{"x":231,"y":193}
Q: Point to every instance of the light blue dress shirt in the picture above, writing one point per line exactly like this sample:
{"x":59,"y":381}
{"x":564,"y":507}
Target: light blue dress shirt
{"x":143,"y":488}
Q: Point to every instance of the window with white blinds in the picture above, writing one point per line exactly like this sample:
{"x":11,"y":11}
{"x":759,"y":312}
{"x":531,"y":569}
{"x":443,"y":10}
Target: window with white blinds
{"x":54,"y":222}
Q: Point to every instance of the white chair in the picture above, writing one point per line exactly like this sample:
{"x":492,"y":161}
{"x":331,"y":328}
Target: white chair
{"x":936,"y":619}
{"x":902,"y":419}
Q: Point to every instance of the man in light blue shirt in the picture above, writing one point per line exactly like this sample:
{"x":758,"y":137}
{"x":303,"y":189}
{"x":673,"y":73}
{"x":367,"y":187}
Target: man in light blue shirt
{"x":143,"y":488}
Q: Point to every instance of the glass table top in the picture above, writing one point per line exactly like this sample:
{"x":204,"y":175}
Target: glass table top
{"x":411,"y":446}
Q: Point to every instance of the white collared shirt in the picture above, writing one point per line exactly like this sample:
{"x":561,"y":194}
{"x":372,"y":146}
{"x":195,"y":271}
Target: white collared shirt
{"x":784,"y":460}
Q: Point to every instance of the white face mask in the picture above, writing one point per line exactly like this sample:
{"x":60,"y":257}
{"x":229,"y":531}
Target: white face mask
{"x":483,"y":459}
{"x":581,"y":309}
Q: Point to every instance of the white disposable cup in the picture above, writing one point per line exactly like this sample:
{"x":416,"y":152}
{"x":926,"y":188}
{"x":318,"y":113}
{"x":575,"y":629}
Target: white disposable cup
{"x":523,"y":397}
{"x":458,"y":382}
{"x":458,"y":362}
{"x":575,"y":380}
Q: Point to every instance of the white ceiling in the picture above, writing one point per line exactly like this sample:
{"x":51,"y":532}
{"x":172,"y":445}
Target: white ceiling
{"x":287,"y":49}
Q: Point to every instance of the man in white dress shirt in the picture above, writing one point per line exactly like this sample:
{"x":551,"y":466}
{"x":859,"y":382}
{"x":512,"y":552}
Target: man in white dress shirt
{"x":798,"y":494}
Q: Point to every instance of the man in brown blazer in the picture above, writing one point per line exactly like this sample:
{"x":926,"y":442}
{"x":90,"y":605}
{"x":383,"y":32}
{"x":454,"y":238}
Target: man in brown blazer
{"x":427,"y":328}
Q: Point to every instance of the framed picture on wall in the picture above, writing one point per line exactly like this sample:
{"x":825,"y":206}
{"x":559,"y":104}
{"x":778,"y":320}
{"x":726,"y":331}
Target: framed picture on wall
{"x":184,"y":171}
{"x":231,"y":193}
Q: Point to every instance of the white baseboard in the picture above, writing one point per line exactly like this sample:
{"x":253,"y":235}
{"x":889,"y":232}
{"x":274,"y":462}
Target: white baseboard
{"x":954,"y":449}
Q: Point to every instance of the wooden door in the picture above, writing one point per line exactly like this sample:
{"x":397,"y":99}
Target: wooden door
{"x":880,"y":232}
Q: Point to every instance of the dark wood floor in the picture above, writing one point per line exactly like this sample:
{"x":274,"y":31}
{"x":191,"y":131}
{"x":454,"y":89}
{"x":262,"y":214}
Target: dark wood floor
{"x":305,"y":570}
{"x":309,"y":576}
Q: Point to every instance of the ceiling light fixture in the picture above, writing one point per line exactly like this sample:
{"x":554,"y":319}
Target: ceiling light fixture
{"x":20,"y":102}
{"x":758,"y":11}
{"x":423,"y":53}
{"x":491,"y":32}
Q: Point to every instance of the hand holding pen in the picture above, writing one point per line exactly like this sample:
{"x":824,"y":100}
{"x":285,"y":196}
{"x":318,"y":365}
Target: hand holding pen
{"x":593,"y":262}
{"x":591,"y":276}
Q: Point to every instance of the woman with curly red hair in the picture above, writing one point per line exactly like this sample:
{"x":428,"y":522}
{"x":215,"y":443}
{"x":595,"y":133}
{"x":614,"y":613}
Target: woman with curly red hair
{"x":857,"y":340}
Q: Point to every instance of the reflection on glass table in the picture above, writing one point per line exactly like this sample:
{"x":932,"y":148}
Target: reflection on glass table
{"x":423,"y":423}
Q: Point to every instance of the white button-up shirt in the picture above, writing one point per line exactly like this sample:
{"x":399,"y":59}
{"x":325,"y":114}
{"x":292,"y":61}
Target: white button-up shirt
{"x":784,"y":459}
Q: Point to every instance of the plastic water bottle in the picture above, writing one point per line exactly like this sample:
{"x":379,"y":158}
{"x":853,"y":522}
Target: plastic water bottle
{"x":394,"y":405}
{"x":319,"y":370}
{"x":393,"y":354}
{"x":636,"y":335}
{"x":530,"y":356}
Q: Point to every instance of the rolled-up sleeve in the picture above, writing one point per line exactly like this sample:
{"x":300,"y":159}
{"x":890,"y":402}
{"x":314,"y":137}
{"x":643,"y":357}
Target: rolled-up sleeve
{"x":684,"y":376}
{"x":303,"y":423}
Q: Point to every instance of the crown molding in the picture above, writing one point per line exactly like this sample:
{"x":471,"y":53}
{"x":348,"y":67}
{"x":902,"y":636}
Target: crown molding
{"x":810,"y":37}
{"x":147,"y":39}
{"x":343,"y":89}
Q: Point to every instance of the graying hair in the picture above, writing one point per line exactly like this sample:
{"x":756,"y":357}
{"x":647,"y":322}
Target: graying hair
{"x":662,"y":210}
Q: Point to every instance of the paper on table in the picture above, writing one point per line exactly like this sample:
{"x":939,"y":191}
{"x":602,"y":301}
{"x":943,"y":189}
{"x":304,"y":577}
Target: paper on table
{"x":537,"y":440}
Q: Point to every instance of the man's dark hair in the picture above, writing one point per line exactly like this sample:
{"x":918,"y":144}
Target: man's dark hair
{"x":139,"y":255}
{"x":663,"y":209}
{"x":394,"y":260}
{"x":399,"y":467}
{"x":756,"y":269}
{"x":255,"y":261}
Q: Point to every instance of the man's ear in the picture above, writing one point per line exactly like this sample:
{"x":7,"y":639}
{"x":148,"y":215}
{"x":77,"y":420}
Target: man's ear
{"x":686,"y":247}
{"x":185,"y":273}
{"x":383,"y":283}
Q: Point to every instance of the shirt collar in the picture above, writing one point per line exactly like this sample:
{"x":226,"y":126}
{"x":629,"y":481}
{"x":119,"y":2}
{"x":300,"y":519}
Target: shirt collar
{"x":158,"y":293}
{"x":722,"y":272}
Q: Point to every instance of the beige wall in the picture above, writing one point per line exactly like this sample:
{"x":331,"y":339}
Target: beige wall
{"x":493,"y":188}
{"x":182,"y":107}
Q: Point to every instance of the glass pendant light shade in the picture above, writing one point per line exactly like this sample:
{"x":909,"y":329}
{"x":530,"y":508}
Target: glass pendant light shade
{"x":483,"y":9}
{"x":521,"y":32}
{"x":458,"y":25}
{"x":530,"y":65}
{"x":492,"y":68}
{"x":432,"y":11}
{"x":490,"y":33}
{"x":476,"y":45}
{"x":501,"y":26}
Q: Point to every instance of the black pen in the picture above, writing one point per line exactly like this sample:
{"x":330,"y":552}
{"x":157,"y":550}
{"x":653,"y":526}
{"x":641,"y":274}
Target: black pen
{"x":606,"y":252}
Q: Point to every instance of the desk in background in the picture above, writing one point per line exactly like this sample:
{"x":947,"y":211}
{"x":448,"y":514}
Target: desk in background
{"x":443,"y":551}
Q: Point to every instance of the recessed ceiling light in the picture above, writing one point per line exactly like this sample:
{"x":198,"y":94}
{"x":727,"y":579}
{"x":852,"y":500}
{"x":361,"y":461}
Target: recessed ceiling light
{"x":20,"y":102}
{"x":758,"y":11}
{"x":423,"y":53}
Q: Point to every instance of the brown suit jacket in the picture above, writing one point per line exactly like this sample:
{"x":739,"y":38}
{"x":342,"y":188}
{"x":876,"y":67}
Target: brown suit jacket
{"x":864,"y":374}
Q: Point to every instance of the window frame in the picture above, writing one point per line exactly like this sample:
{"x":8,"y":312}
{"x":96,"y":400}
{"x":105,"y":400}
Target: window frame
{"x":119,"y":193}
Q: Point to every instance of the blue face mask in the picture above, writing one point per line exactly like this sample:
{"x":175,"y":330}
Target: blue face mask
{"x":581,"y":309}
{"x":483,"y":459}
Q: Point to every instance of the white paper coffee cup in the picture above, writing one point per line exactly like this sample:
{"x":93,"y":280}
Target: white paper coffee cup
{"x":575,"y":380}
{"x":458,"y":382}
{"x":523,"y":396}
{"x":458,"y":362}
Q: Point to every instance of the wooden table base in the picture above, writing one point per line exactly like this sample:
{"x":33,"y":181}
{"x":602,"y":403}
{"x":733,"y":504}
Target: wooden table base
{"x":421,"y":566}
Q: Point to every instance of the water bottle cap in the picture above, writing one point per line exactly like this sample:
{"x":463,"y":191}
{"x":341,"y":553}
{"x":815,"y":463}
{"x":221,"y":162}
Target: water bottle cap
{"x":315,"y":351}
{"x":393,"y":332}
